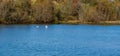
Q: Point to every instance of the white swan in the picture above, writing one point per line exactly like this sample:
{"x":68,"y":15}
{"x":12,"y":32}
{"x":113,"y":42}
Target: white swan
{"x":46,"y":26}
{"x":37,"y":26}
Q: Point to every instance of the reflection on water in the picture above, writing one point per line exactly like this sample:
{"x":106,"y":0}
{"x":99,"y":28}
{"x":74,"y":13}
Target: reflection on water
{"x":59,"y":40}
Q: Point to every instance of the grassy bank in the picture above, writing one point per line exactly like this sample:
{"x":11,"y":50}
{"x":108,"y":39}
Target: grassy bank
{"x":69,"y":22}
{"x":97,"y":23}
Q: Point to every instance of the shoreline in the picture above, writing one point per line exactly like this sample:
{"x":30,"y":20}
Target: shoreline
{"x":92,"y":23}
{"x":72,"y":22}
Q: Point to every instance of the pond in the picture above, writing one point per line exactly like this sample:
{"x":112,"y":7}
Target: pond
{"x":59,"y":40}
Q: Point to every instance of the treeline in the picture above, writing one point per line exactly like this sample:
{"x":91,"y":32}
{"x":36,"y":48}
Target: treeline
{"x":53,"y":11}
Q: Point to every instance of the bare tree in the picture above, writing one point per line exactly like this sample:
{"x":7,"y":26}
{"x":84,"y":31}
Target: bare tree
{"x":43,"y":11}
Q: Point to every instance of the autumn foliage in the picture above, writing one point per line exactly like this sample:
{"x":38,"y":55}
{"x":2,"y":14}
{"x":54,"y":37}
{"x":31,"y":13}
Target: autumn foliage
{"x":51,"y":11}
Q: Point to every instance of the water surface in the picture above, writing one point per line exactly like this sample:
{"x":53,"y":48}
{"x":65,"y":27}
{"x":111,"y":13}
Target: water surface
{"x":59,"y":40}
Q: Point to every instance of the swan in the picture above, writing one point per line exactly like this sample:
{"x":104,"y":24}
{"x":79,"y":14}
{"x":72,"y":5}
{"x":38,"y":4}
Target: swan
{"x":37,"y":26}
{"x":46,"y":26}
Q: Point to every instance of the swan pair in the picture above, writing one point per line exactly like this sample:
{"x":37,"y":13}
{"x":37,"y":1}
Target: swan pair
{"x":46,"y":26}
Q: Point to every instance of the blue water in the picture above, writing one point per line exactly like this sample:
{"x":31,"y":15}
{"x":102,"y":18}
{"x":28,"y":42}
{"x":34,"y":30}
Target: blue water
{"x":59,"y":40}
